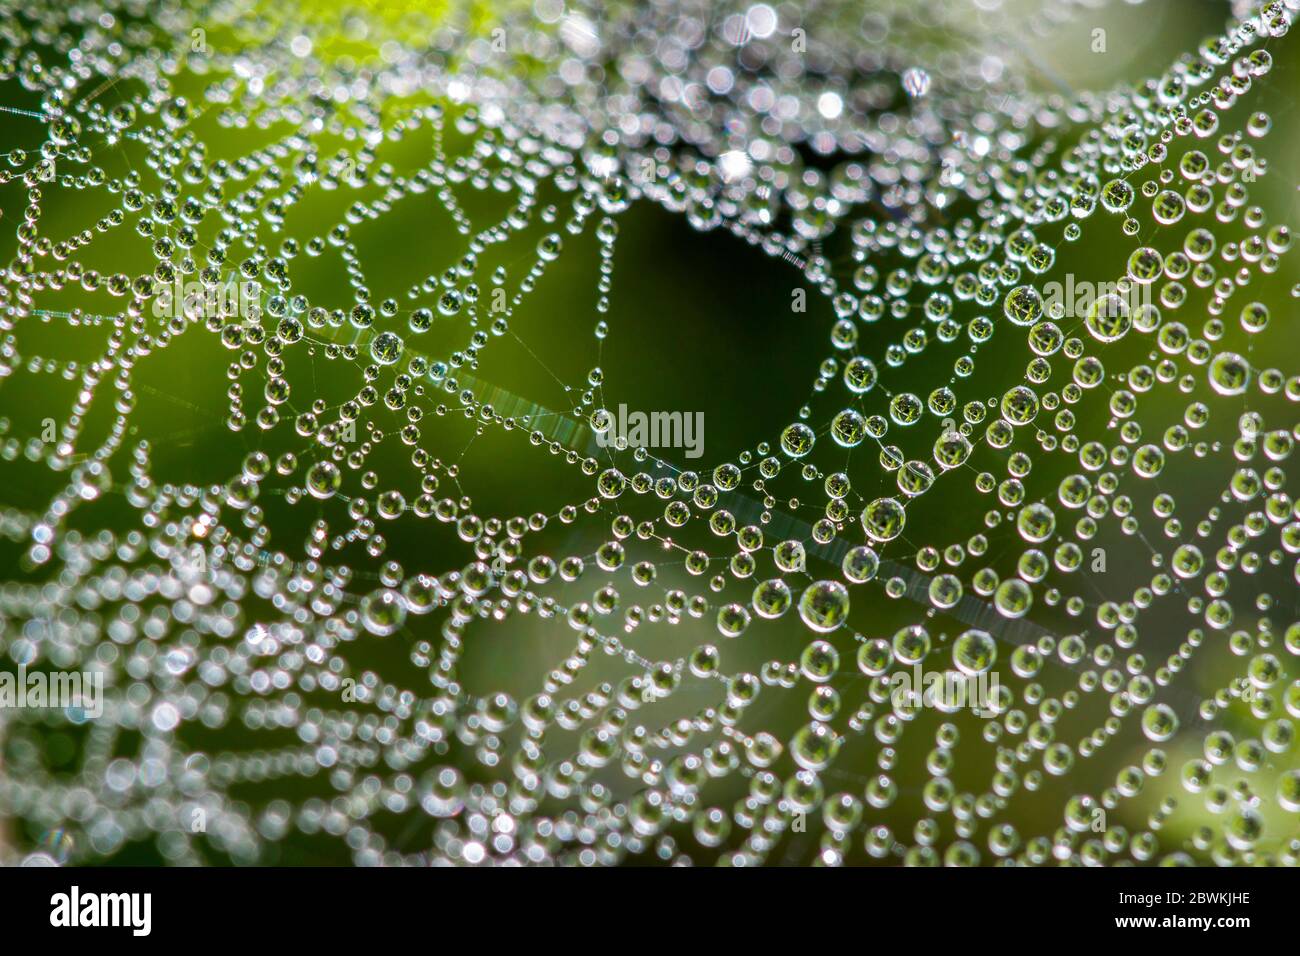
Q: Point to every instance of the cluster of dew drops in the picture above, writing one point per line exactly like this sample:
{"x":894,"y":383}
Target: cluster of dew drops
{"x":954,"y":193}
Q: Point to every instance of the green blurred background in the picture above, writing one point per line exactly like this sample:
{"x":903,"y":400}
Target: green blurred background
{"x":698,"y":322}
